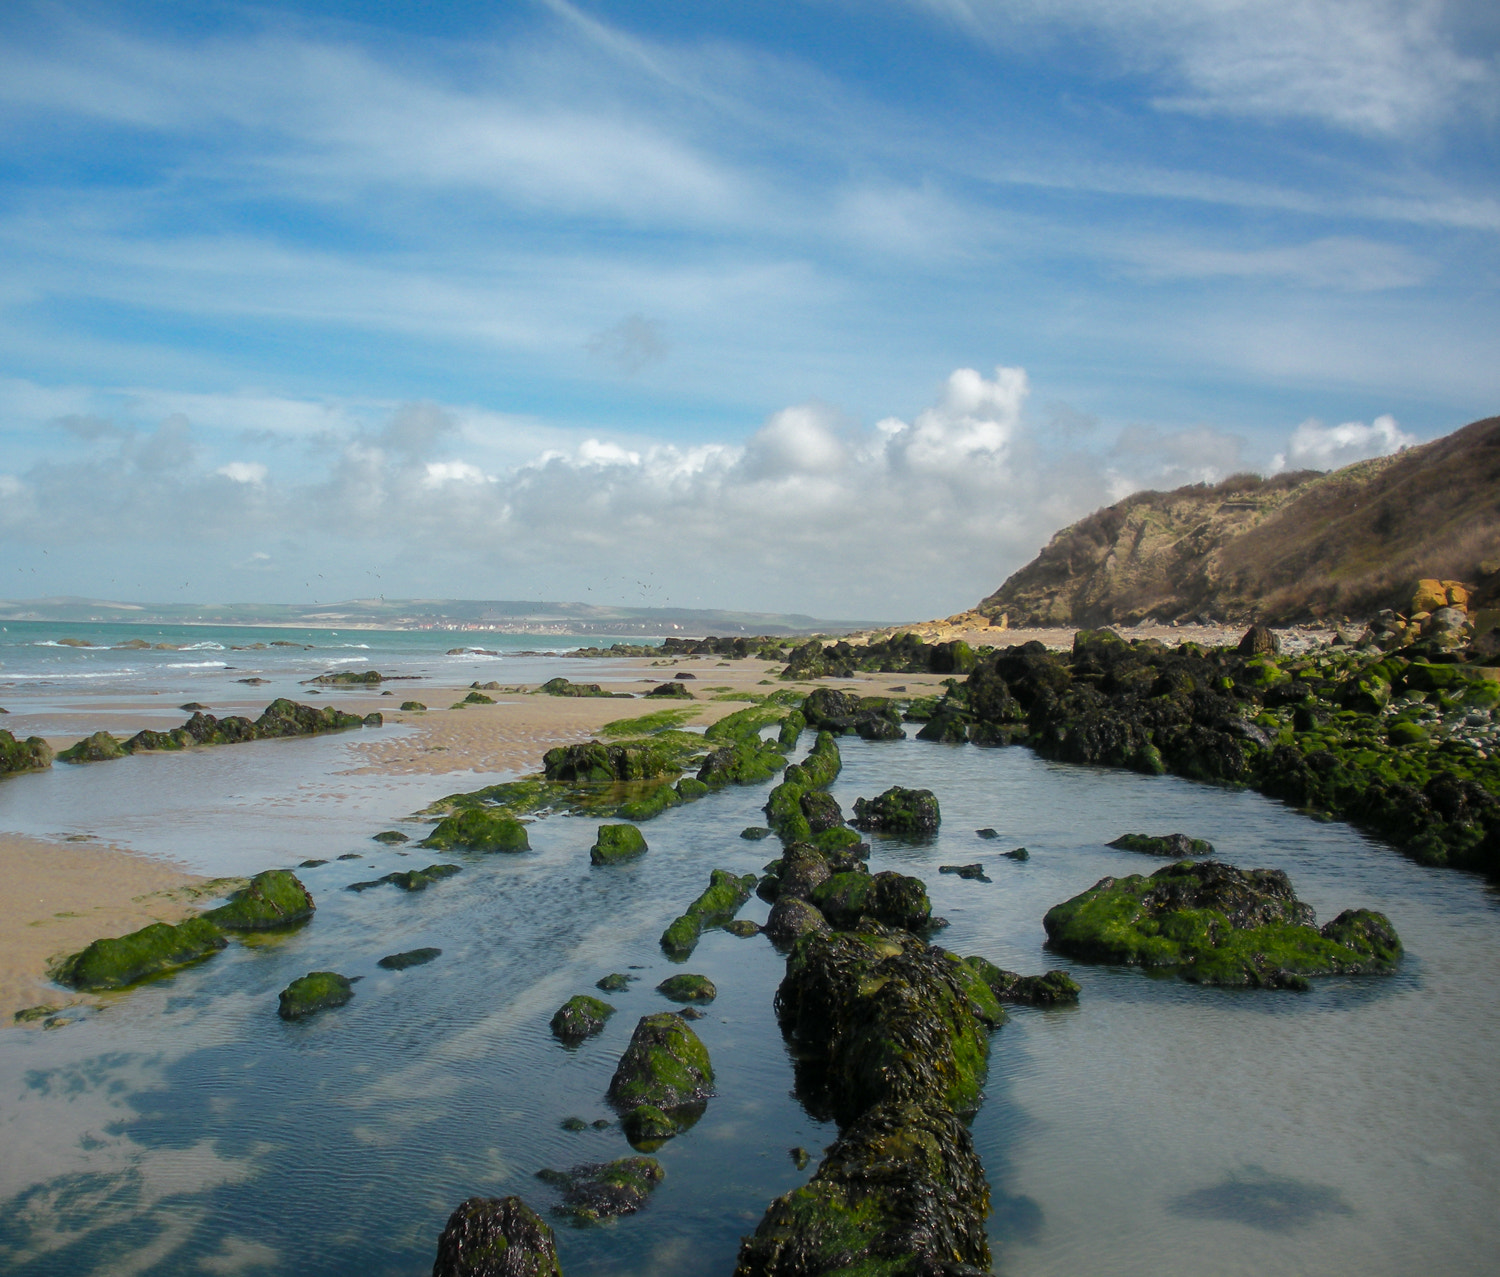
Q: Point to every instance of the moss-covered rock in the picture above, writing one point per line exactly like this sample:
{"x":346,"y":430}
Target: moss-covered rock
{"x":651,"y":804}
{"x":717,"y":904}
{"x":101,"y":747}
{"x":1178,"y":846}
{"x":749,"y":761}
{"x":880,"y":1017}
{"x":580,"y":1017}
{"x":477,"y":698}
{"x":671,"y":691}
{"x":601,"y":1190}
{"x":562,"y":687}
{"x":614,"y":982}
{"x":593,"y":762}
{"x":479,"y":829}
{"x":665,"y":1065}
{"x":496,"y":1237}
{"x":821,"y":809}
{"x":688,"y":988}
{"x":690,"y":789}
{"x":409,"y":958}
{"x":391,"y":837}
{"x":616,"y":843}
{"x":415,"y":707}
{"x":912,"y":813}
{"x":313,"y":992}
{"x":1055,"y":988}
{"x":29,"y":755}
{"x":287,"y":718}
{"x":348,"y":678}
{"x":682,"y":934}
{"x":118,"y":961}
{"x":275,"y":898}
{"x":888,"y":897}
{"x":900,"y":1194}
{"x":1216,"y":924}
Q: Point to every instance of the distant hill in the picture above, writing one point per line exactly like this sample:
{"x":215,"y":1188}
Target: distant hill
{"x":501,"y":615}
{"x":1294,"y":547}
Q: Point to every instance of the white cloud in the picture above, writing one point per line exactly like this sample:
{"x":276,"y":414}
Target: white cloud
{"x":1379,"y":67}
{"x":1314,"y":446}
{"x":810,"y":513}
{"x":1146,"y":457}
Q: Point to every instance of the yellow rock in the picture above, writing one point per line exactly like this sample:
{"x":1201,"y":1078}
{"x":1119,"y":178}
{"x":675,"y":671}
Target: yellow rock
{"x":1458,"y":596}
{"x":1429,"y":596}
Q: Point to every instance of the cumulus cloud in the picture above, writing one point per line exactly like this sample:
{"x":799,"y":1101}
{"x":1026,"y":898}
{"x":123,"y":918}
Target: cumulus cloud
{"x":1146,"y":457}
{"x":811,"y":512}
{"x":1314,"y":446}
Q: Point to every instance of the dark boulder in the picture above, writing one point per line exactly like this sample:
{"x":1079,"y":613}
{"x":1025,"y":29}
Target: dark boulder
{"x":910,"y":812}
{"x":602,"y":1190}
{"x":496,"y":1237}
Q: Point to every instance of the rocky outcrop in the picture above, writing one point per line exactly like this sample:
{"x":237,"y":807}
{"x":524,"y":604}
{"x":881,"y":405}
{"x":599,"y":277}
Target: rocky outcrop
{"x":1216,"y":924}
{"x":913,"y":813}
{"x":1293,"y":547}
{"x":101,"y":747}
{"x":666,"y":1069}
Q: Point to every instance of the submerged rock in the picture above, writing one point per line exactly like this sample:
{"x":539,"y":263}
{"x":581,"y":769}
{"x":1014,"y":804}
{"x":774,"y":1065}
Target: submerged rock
{"x":615,"y":982}
{"x":647,"y":1127}
{"x":275,"y":898}
{"x":496,"y":1237}
{"x":478,"y":829}
{"x":665,"y":1065}
{"x":1055,"y":988}
{"x":410,"y":958}
{"x":718,"y":903}
{"x":688,"y":988}
{"x":615,"y":843}
{"x":1217,"y":924}
{"x":315,"y":991}
{"x":1178,"y":846}
{"x":974,"y":871}
{"x":409,"y":879}
{"x":912,"y":812}
{"x":600,"y":1190}
{"x":391,"y":837}
{"x":115,"y":962}
{"x":580,"y":1017}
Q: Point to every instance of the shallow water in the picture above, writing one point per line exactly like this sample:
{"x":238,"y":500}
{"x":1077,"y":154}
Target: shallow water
{"x":1158,"y":1127}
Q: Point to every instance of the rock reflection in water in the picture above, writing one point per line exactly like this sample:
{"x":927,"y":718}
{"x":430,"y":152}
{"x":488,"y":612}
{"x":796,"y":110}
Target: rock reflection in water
{"x":1253,"y":1196}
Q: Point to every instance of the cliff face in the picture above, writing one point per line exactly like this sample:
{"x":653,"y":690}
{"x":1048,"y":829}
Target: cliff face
{"x":1294,"y":547}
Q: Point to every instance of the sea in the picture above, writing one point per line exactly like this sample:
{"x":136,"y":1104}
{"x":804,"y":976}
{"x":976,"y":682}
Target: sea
{"x":1157,"y":1127}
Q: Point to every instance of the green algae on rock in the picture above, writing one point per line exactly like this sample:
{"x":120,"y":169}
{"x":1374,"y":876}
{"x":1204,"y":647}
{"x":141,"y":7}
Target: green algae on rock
{"x":30,"y":755}
{"x":275,"y":898}
{"x":410,"y":958}
{"x":688,"y":988}
{"x":115,"y":962}
{"x":1055,"y":988}
{"x":101,"y":747}
{"x":614,"y":982}
{"x":601,"y":1190}
{"x":901,"y":1193}
{"x":580,"y":1017}
{"x":889,"y":897}
{"x":1216,"y":924}
{"x":391,"y":837}
{"x":478,"y":829}
{"x":717,"y":904}
{"x":912,"y":813}
{"x":413,"y":706}
{"x":647,"y":1127}
{"x":315,"y":991}
{"x":665,"y":1065}
{"x":748,"y":761}
{"x":496,"y":1237}
{"x":1178,"y":846}
{"x":615,"y":843}
{"x":563,"y":687}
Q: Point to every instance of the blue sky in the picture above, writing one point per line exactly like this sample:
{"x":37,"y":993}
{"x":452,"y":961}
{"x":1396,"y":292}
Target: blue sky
{"x":831,"y":307}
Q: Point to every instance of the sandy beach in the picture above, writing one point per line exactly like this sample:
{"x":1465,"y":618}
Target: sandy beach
{"x":60,"y":896}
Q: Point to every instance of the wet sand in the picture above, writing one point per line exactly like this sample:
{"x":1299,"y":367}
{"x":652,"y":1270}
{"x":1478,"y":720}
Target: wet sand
{"x":61,"y":896}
